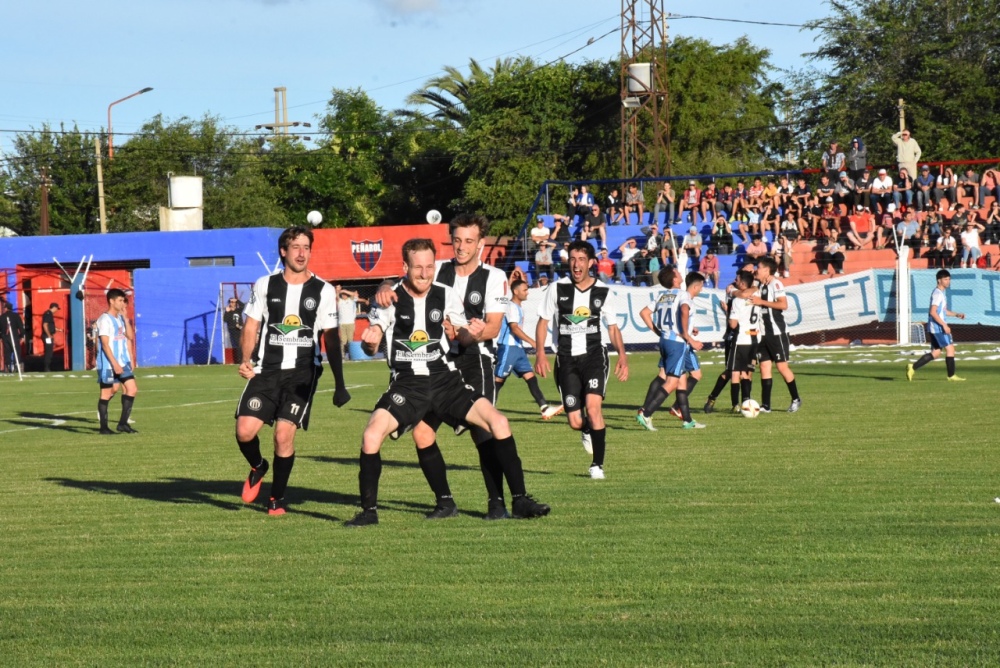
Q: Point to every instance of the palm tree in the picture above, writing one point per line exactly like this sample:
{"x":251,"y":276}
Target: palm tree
{"x":448,"y":93}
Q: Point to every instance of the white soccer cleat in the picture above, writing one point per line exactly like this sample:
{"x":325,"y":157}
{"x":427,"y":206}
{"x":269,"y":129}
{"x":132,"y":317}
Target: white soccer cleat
{"x":647,"y":423}
{"x":550,"y":412}
{"x":588,"y":445}
{"x":596,"y":472}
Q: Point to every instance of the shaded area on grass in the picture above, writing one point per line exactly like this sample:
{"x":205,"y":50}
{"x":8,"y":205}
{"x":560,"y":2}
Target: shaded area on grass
{"x":50,"y":421}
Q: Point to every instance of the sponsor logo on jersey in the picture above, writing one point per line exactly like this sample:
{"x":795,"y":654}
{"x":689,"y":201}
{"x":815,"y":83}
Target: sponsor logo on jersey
{"x":416,"y":348}
{"x":579,"y":322}
{"x":290,"y":331}
{"x":579,"y":315}
{"x":416,"y":341}
{"x":366,"y":253}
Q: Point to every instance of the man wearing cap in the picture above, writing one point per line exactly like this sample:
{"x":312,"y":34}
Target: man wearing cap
{"x":48,"y":333}
{"x":881,"y":196}
{"x":907,"y":150}
{"x":923,"y":188}
{"x":883,"y":233}
{"x":843,"y":191}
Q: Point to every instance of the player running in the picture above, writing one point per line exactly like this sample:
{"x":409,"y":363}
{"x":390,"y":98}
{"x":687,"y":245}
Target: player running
{"x":511,"y":355}
{"x":938,"y":329}
{"x":774,"y":345}
{"x":583,"y":309}
{"x":291,"y":311}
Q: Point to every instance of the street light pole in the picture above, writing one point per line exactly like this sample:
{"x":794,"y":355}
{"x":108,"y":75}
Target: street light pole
{"x":111,"y":147}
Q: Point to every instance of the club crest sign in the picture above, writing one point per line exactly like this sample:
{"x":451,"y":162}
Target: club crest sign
{"x":366,"y":253}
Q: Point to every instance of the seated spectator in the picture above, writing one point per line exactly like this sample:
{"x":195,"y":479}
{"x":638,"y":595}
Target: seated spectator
{"x":653,"y":239}
{"x":709,"y":267}
{"x":613,"y":207}
{"x":946,"y":187}
{"x":708,"y":197}
{"x":970,"y":244}
{"x":542,"y":282}
{"x":944,"y":251}
{"x":561,"y":233}
{"x":923,"y":188}
{"x":668,"y":250}
{"x":561,"y":258}
{"x":861,"y":225}
{"x":539,"y":233}
{"x":781,"y":251}
{"x":844,"y":192}
{"x":593,"y":226}
{"x":826,"y":188}
{"x":584,"y":201}
{"x":909,"y":232}
{"x":883,"y":233}
{"x":902,"y":190}
{"x":968,"y":185}
{"x":626,"y":265}
{"x":769,"y":220}
{"x":992,"y":223}
{"x":634,"y":203}
{"x":741,"y":200}
{"x":605,"y":266}
{"x":690,"y":201}
{"x":881,"y":192}
{"x":725,"y":201}
{"x":863,"y":190}
{"x":757,"y":249}
{"x":828,"y":220}
{"x":783,"y":196}
{"x":989,"y":186}
{"x":692,"y":243}
{"x":666,"y":200}
{"x":791,"y":226}
{"x":543,"y":259}
{"x":722,"y":236}
{"x":932,"y":228}
{"x":831,"y":257}
{"x":801,"y":196}
{"x":641,"y":261}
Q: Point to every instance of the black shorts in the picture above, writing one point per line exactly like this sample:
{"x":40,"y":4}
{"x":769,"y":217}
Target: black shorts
{"x":728,"y":341}
{"x":741,"y":358}
{"x":774,"y":348}
{"x":477,"y":371}
{"x":579,"y":376}
{"x":411,"y":399}
{"x":280,"y":395}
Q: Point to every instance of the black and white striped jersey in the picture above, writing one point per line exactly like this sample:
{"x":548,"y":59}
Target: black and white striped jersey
{"x":774,"y":319}
{"x":415,"y":339}
{"x":292,"y":318}
{"x":580,"y":317}
{"x":747,"y":319}
{"x":481,"y":292}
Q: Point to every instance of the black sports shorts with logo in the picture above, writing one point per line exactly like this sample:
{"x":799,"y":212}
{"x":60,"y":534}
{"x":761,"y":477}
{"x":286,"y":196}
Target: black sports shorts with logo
{"x":773,"y":348}
{"x":410,"y":399}
{"x":280,"y":395}
{"x":580,"y":375}
{"x":478,"y":373}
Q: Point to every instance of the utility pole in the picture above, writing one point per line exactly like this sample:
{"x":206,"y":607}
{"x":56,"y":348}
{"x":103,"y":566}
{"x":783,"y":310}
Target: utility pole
{"x":100,"y":187}
{"x":281,"y":123}
{"x":43,"y":228}
{"x":902,"y":115}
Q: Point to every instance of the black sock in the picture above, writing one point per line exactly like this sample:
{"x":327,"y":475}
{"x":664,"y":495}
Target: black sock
{"x":279,"y":476}
{"x":922,"y":361}
{"x":598,"y":439}
{"x":432,"y":464}
{"x":746,"y":386}
{"x":682,"y":404}
{"x":536,"y":391}
{"x":692,"y":383}
{"x":659,"y":397}
{"x":506,"y":450}
{"x":654,"y":386}
{"x":950,"y":361}
{"x":734,"y":392}
{"x":765,"y":392}
{"x":496,"y":392}
{"x":102,"y":412}
{"x":793,"y":390}
{"x":127,"y":402}
{"x":371,"y":471}
{"x":720,"y":384}
{"x":492,"y":469}
{"x":251,"y":450}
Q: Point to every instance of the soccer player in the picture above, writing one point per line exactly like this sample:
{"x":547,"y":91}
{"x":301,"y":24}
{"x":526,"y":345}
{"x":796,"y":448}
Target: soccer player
{"x":482,"y":290}
{"x":773,"y":345}
{"x":673,"y":320}
{"x":744,"y":321}
{"x":425,"y":380}
{"x":511,"y":356}
{"x":584,"y":310}
{"x":114,"y":362}
{"x":728,"y":343}
{"x":290,"y":311}
{"x":939,"y":330}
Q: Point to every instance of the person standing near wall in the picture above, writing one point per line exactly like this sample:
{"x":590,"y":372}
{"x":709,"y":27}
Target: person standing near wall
{"x":12,"y":331}
{"x":234,"y":323}
{"x":347,"y":312}
{"x":48,"y":333}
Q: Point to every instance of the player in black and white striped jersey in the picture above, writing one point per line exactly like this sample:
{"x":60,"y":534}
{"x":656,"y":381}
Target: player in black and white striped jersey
{"x":290,"y":311}
{"x":583,"y":310}
{"x":774,"y":344}
{"x":744,"y":321}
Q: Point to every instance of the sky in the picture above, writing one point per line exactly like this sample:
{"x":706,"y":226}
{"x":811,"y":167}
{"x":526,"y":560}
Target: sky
{"x":65,"y":61}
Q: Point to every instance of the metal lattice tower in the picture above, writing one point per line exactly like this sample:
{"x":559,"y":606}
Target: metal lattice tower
{"x":645,"y":119}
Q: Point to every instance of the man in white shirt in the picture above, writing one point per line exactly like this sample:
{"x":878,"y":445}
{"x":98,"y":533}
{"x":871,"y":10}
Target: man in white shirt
{"x":626,"y":265}
{"x":881,"y":191}
{"x":970,"y":244}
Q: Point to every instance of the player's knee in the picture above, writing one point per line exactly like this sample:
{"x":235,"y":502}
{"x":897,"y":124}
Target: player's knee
{"x":576,"y":420}
{"x":371,"y":440}
{"x":499,"y":426}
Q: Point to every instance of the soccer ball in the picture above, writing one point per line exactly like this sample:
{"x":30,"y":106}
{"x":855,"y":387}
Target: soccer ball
{"x":750,"y":408}
{"x":314,"y":218}
{"x":433,"y":216}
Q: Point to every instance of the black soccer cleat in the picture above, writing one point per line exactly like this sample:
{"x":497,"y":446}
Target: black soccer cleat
{"x":443,"y":511}
{"x":526,"y":507}
{"x":106,"y":431}
{"x":496,"y":510}
{"x":710,"y":405}
{"x":126,"y":429}
{"x":366,"y":517}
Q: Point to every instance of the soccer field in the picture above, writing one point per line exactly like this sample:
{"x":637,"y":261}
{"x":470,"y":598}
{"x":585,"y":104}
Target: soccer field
{"x":860,"y":531}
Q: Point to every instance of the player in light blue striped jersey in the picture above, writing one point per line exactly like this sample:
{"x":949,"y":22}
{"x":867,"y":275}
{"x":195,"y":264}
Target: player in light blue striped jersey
{"x":114,"y":361}
{"x":938,"y":329}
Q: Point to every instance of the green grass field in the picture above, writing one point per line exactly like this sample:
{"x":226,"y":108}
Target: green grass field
{"x":860,"y":531}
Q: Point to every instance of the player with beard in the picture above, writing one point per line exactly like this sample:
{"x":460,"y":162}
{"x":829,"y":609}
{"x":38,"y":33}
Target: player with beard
{"x":744,"y":321}
{"x":583,"y":309}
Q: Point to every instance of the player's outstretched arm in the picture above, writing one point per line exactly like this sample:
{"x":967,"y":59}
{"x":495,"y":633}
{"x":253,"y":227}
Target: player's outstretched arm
{"x":621,"y":367}
{"x":334,"y":355}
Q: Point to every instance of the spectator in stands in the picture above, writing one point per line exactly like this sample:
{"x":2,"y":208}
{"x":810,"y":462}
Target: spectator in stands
{"x":757,"y":249}
{"x":561,"y":233}
{"x":923,"y":188}
{"x":946,"y":247}
{"x":881,"y":192}
{"x":605,"y":266}
{"x":666,"y":200}
{"x":946,"y":188}
{"x":833,"y":161}
{"x":653,"y":238}
{"x":769,"y":220}
{"x":970,"y":244}
{"x":543,"y":258}
{"x":826,"y":188}
{"x":722,"y":236}
{"x":542,"y":282}
{"x":863,"y":190}
{"x":692,"y":243}
{"x":690,"y":201}
{"x":789,"y":224}
{"x":561,"y":258}
{"x":539,"y":233}
{"x":614,"y":209}
{"x":902,"y":190}
{"x":883,"y":233}
{"x":785,"y":192}
{"x":709,"y":267}
{"x":828,"y":220}
{"x":668,"y":248}
{"x":634,"y":203}
{"x":907,"y":151}
{"x":756,"y":196}
{"x":642,"y":274}
{"x":724,"y":202}
{"x":626,"y":265}
{"x":801,"y":197}
{"x":831,"y":257}
{"x":968,"y":186}
{"x":844,"y":192}
{"x":593,"y":226}
{"x":708,"y":197}
{"x":931,"y":229}
{"x":861,"y":224}
{"x":584,"y":201}
{"x":989,"y":186}
{"x":857,"y":159}
{"x":992,"y":223}
{"x":909,"y":232}
{"x":770,"y":194}
{"x":781,"y":251}
{"x":741,"y":199}
{"x":571,"y":202}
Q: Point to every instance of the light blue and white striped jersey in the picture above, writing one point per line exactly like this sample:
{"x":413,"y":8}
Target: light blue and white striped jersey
{"x":939,"y":299}
{"x":665,"y":314}
{"x":513,"y":315}
{"x":684,"y":298}
{"x":112,"y":327}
